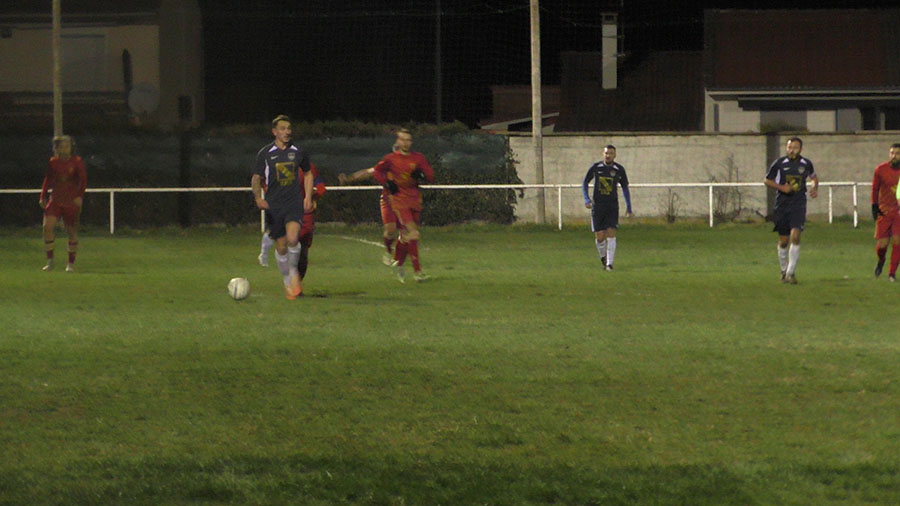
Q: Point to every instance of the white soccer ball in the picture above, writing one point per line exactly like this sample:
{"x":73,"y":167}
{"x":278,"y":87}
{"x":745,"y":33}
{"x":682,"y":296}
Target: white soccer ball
{"x":239,"y":288}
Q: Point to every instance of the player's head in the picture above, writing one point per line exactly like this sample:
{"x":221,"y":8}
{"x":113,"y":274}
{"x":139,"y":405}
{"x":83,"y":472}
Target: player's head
{"x":281,"y":128}
{"x":404,"y":140}
{"x":793,"y":147}
{"x":895,"y":154}
{"x":609,"y":153}
{"x":63,"y":146}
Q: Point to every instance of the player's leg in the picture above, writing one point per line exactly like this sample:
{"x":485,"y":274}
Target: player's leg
{"x":278,"y":231}
{"x":882,"y":241}
{"x":266,"y":243}
{"x":610,"y":247}
{"x":413,"y":235}
{"x":783,"y":228}
{"x":599,"y":235}
{"x":49,"y":229}
{"x":390,"y":232}
{"x":306,"y":234}
{"x":70,"y":220}
{"x":292,"y":239}
{"x":793,"y":255}
{"x":895,"y":246}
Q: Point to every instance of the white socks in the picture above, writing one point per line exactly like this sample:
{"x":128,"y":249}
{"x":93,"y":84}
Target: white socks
{"x":793,"y":256}
{"x":610,"y":250}
{"x":601,"y":246}
{"x":266,"y":245}
{"x":293,"y":258}
{"x":783,"y":258}
{"x":283,"y":267}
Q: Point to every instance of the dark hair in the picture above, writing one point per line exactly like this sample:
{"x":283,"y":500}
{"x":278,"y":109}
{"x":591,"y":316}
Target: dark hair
{"x":796,"y":139}
{"x":280,"y":117}
{"x":895,"y":145}
{"x":59,"y":138}
{"x":610,"y":146}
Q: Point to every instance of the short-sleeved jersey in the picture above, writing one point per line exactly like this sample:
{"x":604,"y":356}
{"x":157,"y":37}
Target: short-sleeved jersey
{"x":399,"y":167}
{"x":67,"y":178}
{"x":884,"y":188}
{"x":793,"y":172}
{"x":606,"y":179}
{"x":281,"y":171}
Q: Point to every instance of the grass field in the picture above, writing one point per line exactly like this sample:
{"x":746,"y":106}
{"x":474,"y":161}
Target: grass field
{"x":521,"y":374}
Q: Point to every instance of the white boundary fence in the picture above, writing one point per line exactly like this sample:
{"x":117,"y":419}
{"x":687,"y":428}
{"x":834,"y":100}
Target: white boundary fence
{"x":558,"y":187}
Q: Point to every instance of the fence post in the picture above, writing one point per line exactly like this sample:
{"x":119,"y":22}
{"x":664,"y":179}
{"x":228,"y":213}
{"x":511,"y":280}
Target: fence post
{"x":710,"y":205}
{"x":112,"y":212}
{"x":830,"y":208}
{"x":855,"y":209}
{"x":559,"y":204}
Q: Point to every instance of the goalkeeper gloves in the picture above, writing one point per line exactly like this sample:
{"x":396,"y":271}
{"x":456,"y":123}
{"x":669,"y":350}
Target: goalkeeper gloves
{"x":875,"y":211}
{"x":419,"y":175}
{"x":391,"y":186}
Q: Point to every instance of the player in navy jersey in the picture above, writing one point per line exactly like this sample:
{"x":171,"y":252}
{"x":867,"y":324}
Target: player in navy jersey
{"x":788,"y":175}
{"x":606,"y":175}
{"x":282,"y":164}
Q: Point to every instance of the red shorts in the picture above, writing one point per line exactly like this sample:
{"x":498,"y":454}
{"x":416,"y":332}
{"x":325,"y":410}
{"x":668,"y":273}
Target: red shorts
{"x":307,"y":228}
{"x":68,"y":212}
{"x":887,"y":225}
{"x":408,"y":215}
{"x":387,"y":214}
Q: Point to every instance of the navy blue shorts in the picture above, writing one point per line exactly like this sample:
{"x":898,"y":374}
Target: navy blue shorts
{"x":788,"y":218}
{"x":277,"y":219}
{"x":603,"y":218}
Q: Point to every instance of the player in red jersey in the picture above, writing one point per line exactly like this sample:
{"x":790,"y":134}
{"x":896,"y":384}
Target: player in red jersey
{"x":401,"y":172}
{"x":66,"y":181}
{"x":388,"y":218}
{"x":886,"y":211}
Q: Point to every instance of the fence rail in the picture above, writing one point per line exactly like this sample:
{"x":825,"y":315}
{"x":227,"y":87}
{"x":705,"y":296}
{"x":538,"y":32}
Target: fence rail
{"x":558,"y":187}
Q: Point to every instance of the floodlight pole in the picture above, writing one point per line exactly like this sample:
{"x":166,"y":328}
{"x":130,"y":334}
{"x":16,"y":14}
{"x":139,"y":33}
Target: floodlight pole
{"x":438,"y":91}
{"x":536,"y":121}
{"x":57,"y":74}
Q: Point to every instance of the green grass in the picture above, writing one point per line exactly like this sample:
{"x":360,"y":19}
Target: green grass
{"x":521,"y":374}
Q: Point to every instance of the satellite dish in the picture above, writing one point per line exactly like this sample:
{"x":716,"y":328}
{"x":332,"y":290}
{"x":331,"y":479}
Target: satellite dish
{"x":143,"y":98}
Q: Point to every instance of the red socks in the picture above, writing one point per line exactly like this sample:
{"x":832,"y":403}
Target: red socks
{"x":414,"y":255}
{"x":400,"y":252}
{"x":895,"y":259}
{"x":389,"y":244}
{"x":881,"y":252}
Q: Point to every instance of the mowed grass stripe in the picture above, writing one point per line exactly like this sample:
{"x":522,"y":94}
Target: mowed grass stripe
{"x":522,"y":374}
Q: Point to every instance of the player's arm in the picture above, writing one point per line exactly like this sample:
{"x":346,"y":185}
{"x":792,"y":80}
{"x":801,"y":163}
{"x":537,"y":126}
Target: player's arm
{"x":584,"y":189}
{"x":627,"y":194}
{"x":307,"y":191}
{"x":82,"y":178}
{"x":380,"y":174}
{"x":814,"y":192}
{"x":45,"y":187}
{"x":356,"y":176}
{"x":256,"y":188}
{"x":423,"y":173}
{"x":876,"y":188}
{"x":770,"y":180}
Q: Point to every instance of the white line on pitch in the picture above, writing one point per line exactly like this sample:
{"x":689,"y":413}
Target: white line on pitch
{"x":364,"y":241}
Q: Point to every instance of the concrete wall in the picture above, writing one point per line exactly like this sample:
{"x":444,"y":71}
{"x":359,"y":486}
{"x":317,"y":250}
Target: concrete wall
{"x":694,"y":158}
{"x":27,"y":56}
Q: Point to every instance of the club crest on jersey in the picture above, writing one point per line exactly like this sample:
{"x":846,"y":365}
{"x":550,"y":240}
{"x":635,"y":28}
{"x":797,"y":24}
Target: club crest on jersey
{"x":292,"y":155}
{"x":802,"y":169}
{"x":612,"y":172}
{"x":412,"y":165}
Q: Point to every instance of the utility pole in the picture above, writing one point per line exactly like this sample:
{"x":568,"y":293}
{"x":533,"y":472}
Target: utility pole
{"x":536,"y":121}
{"x":57,"y":73}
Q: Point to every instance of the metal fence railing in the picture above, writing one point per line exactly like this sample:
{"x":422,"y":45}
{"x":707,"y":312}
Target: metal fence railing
{"x":829,"y":186}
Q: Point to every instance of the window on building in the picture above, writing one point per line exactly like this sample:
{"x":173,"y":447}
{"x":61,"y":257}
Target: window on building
{"x":870,"y":118}
{"x":891,"y":118}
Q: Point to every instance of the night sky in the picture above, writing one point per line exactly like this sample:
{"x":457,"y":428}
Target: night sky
{"x":375,"y":60}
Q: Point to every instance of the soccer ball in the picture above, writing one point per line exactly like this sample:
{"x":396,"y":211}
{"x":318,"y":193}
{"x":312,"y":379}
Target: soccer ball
{"x":239,"y":288}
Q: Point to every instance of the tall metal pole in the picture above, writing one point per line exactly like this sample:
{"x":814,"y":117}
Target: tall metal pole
{"x":438,"y":91}
{"x":57,"y":73}
{"x":536,"y":121}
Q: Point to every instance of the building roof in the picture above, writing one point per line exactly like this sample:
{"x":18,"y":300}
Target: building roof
{"x":100,"y":11}
{"x":801,"y":49}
